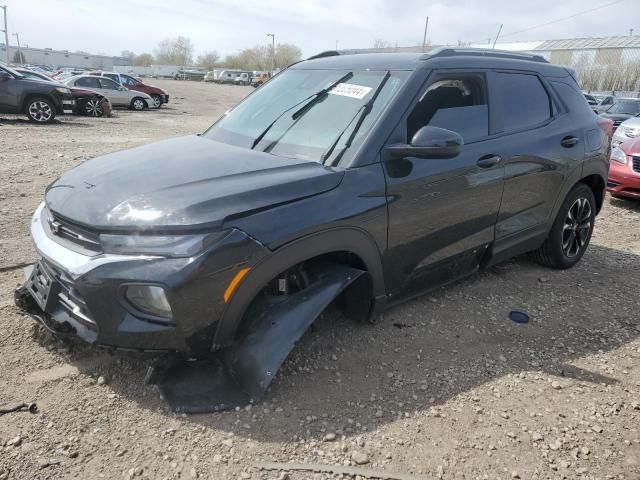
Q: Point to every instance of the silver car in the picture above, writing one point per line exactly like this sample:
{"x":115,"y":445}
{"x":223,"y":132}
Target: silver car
{"x":627,"y":130}
{"x":117,"y":94}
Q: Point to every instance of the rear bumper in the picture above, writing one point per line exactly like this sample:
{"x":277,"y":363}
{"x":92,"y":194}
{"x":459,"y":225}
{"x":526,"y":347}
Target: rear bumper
{"x":623,"y":180}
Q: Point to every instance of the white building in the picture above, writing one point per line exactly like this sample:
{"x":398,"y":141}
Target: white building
{"x":62,"y":58}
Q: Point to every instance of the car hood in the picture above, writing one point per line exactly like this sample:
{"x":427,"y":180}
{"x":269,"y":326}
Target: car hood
{"x":617,"y":116}
{"x":632,"y":122}
{"x":183,"y":183}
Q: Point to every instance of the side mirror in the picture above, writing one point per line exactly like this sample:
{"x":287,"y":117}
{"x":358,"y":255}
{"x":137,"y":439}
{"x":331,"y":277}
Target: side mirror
{"x":4,"y":76}
{"x":429,"y":142}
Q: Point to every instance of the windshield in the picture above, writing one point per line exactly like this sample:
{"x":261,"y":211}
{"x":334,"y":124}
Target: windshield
{"x":311,"y":135}
{"x":629,"y":108}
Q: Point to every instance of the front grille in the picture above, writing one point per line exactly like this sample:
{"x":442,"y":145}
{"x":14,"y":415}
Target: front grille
{"x":73,"y":233}
{"x":636,"y":163}
{"x":616,"y":124}
{"x":69,"y":298}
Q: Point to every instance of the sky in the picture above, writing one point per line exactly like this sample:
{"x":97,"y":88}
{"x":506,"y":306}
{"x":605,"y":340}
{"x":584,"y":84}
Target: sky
{"x":228,"y":26}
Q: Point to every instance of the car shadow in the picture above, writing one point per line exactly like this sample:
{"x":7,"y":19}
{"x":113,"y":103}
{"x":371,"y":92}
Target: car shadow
{"x":67,"y":122}
{"x":422,"y":353}
{"x":628,"y":204}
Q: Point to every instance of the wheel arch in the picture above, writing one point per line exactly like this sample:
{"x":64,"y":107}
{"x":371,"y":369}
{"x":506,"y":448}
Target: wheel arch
{"x":361,"y":252}
{"x":597,"y":185}
{"x":31,"y":96}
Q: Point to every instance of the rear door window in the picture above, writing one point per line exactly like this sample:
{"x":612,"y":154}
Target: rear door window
{"x":108,"y":84}
{"x":90,"y":82}
{"x":525,"y":101}
{"x":112,"y":77}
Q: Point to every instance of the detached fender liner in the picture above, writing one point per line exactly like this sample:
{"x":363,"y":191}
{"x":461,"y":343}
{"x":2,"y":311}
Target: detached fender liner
{"x":241,"y":374}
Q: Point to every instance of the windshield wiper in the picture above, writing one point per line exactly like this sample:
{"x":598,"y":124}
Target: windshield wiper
{"x":363,"y":111}
{"x":314,"y":98}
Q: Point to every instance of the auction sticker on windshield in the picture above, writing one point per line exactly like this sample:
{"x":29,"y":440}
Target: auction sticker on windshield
{"x":351,"y":90}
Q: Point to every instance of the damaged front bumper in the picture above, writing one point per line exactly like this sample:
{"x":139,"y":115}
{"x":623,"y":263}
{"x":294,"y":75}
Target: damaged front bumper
{"x":75,"y":292}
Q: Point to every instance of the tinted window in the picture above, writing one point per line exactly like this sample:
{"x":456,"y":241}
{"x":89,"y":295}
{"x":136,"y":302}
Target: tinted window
{"x":625,"y":107}
{"x":90,"y":82}
{"x":128,"y":80}
{"x":575,"y":101}
{"x":111,"y":76}
{"x":108,"y":84}
{"x":458,"y":104}
{"x":525,"y":102}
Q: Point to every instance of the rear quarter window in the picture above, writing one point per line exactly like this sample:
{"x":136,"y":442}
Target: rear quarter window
{"x":525,"y":101}
{"x":571,"y":97}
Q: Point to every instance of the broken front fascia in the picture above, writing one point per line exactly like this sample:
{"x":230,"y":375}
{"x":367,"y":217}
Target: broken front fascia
{"x":194,"y":286}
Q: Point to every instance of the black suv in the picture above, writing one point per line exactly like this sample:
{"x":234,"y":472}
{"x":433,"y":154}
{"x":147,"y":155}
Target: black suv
{"x":365,"y":178}
{"x":40,"y":101}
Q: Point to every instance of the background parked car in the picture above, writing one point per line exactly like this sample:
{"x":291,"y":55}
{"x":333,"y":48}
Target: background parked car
{"x":87,"y":102}
{"x":117,"y":94}
{"x":242,"y":78}
{"x":159,"y":95}
{"x":622,"y":110}
{"x":628,"y":130}
{"x":190,"y":74}
{"x":40,"y":101}
{"x":210,"y":76}
{"x":259,"y":78}
{"x":226,"y":76}
{"x":624,"y":171}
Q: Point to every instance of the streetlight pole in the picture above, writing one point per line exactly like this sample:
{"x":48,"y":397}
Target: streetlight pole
{"x":273,"y":51}
{"x":6,"y":32}
{"x":19,"y":50}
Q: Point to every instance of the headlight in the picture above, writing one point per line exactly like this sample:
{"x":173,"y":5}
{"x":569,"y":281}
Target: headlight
{"x":618,"y":155}
{"x":150,"y":299}
{"x":165,"y":245}
{"x":62,"y":90}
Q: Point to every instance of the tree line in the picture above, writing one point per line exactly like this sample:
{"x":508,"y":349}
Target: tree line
{"x":180,"y":51}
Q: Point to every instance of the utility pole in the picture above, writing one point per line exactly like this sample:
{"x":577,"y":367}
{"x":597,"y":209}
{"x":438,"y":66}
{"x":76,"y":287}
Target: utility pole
{"x":273,"y":51}
{"x":631,"y":32}
{"x":499,"y":30}
{"x":424,"y":38}
{"x":19,"y":50}
{"x":6,"y":32}
{"x":336,"y":45}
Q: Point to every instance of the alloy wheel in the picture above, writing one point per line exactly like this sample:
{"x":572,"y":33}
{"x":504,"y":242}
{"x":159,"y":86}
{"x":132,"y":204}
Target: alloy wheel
{"x":138,"y":104}
{"x":577,"y":227}
{"x":93,"y":108}
{"x":157,"y":101}
{"x":40,"y":111}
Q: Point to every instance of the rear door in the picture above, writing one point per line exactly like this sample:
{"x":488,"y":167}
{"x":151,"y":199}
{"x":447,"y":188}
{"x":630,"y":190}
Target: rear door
{"x":541,"y":146}
{"x":112,"y":91}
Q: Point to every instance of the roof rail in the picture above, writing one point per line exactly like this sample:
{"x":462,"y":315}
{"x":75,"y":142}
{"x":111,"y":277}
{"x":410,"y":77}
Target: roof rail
{"x":482,"y":52}
{"x":327,"y":53}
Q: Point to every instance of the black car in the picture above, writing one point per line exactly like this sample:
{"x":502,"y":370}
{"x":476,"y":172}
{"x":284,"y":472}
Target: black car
{"x":40,"y":101}
{"x":366,"y":179}
{"x":621,"y":110}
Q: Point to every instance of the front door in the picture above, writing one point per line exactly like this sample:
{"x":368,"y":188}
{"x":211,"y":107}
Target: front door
{"x":442,"y":212}
{"x":8,"y":94}
{"x":113,"y":91}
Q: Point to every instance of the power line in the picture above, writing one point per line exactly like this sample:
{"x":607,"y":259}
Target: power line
{"x":557,"y":20}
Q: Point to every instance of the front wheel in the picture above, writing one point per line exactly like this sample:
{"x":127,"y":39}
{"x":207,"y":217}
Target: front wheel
{"x":138,"y":104}
{"x":571,"y":231}
{"x":40,"y":110}
{"x":93,"y":107}
{"x":157,"y":101}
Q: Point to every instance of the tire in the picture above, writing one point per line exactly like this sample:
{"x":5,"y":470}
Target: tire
{"x":93,"y":108}
{"x":138,"y":104}
{"x":157,"y":101}
{"x":571,"y":231}
{"x":40,"y":110}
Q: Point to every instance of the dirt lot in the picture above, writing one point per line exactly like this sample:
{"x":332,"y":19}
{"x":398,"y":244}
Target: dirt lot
{"x":445,"y":386}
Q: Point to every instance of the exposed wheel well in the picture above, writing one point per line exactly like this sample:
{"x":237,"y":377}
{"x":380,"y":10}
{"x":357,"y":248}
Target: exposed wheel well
{"x":596,"y":183}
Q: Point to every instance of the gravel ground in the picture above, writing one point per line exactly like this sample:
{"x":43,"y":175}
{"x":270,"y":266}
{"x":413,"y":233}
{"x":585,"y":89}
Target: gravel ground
{"x":444,"y":386}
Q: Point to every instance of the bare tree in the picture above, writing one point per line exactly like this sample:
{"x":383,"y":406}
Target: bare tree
{"x":128,"y":54}
{"x":143,"y":60}
{"x":175,"y":51}
{"x":259,"y":57}
{"x":380,"y":44}
{"x":208,"y":60}
{"x":286,"y":54}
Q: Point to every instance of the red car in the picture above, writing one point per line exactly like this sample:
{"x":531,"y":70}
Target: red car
{"x":88,"y":102}
{"x":159,"y":95}
{"x":624,"y":172}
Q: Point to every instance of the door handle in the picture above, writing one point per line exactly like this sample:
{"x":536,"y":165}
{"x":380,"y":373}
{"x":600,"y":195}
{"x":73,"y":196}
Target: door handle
{"x":568,"y":142}
{"x":489,"y":161}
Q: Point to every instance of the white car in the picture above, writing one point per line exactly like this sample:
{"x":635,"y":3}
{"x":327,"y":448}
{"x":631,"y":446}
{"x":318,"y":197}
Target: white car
{"x":117,"y":94}
{"x":627,"y":130}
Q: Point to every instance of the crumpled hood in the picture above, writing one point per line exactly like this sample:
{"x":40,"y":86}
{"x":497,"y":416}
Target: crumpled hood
{"x":183,"y":182}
